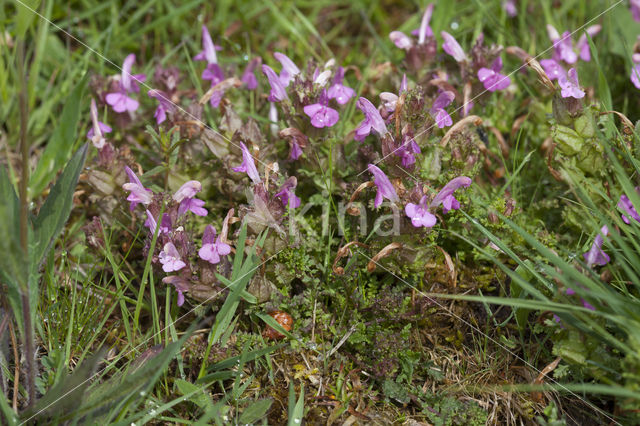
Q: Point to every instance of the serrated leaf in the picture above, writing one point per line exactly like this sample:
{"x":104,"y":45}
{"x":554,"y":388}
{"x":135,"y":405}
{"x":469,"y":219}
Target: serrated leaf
{"x":60,"y":145}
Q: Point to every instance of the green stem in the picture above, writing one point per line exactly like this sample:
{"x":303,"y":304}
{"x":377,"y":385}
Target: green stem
{"x":24,"y":224}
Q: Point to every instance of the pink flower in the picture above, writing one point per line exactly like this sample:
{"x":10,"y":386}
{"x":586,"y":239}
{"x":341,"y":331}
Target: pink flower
{"x":287,"y":195}
{"x":321,"y":114}
{"x":385,"y":188}
{"x":152,"y":224}
{"x":249,"y":76}
{"x":635,"y":9}
{"x":138,"y":193}
{"x":452,"y":47}
{"x":120,"y":101}
{"x":491,"y":77}
{"x":553,"y":69}
{"x":438,"y":112}
{"x":402,"y":41}
{"x":170,"y":258}
{"x":570,"y":85}
{"x":338,"y":91}
{"x":95,"y":133}
{"x":563,"y":46}
{"x":248,"y":166}
{"x":209,"y":49}
{"x":596,"y":256}
{"x":626,"y":206}
{"x":180,"y":284}
{"x":289,"y":69}
{"x":510,"y":7}
{"x":372,"y":121}
{"x":635,"y":70}
{"x":420,"y":214}
{"x":164,"y":105}
{"x":445,"y":196}
{"x":295,"y":151}
{"x":278,"y":92}
{"x":212,"y":248}
{"x":186,"y":197}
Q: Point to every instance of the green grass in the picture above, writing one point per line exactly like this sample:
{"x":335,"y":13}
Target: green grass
{"x":391,"y":338}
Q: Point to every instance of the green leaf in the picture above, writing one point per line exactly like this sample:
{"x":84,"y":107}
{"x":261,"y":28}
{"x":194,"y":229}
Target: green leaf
{"x":296,"y":412}
{"x":255,"y":411}
{"x":8,"y":414}
{"x":518,"y":292}
{"x":56,"y":209}
{"x":64,"y":397}
{"x":120,"y":392}
{"x":273,"y":323}
{"x":25,"y":15}
{"x":13,"y":267}
{"x":57,"y":150}
{"x":201,"y":399}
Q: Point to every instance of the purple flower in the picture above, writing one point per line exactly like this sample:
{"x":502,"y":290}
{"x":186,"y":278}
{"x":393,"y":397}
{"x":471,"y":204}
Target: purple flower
{"x":452,"y":47}
{"x":563,"y":46}
{"x":571,"y":292}
{"x":295,"y":151}
{"x":420,"y":214}
{"x":278,"y":92}
{"x":164,"y":106}
{"x":180,"y":284}
{"x":491,"y":77}
{"x":248,"y":166}
{"x":249,"y":76}
{"x":338,"y":91}
{"x":212,"y":248}
{"x":385,"y":188}
{"x":626,"y":206}
{"x":583,"y":45}
{"x":442,"y":118}
{"x":635,"y":9}
{"x":139,"y":194}
{"x":289,"y":69}
{"x":402,"y":41}
{"x":445,"y":196}
{"x":570,"y":85}
{"x":510,"y":7}
{"x":152,"y":224}
{"x":321,"y":114}
{"x":287,"y":195}
{"x":553,"y":69}
{"x":635,"y":75}
{"x":390,"y":100}
{"x":119,"y":100}
{"x":98,"y":128}
{"x":214,"y":73}
{"x":209,"y":49}
{"x":186,"y":197}
{"x":425,"y":30}
{"x":170,"y":258}
{"x":407,"y":150}
{"x":372,"y":120}
{"x":596,"y":256}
